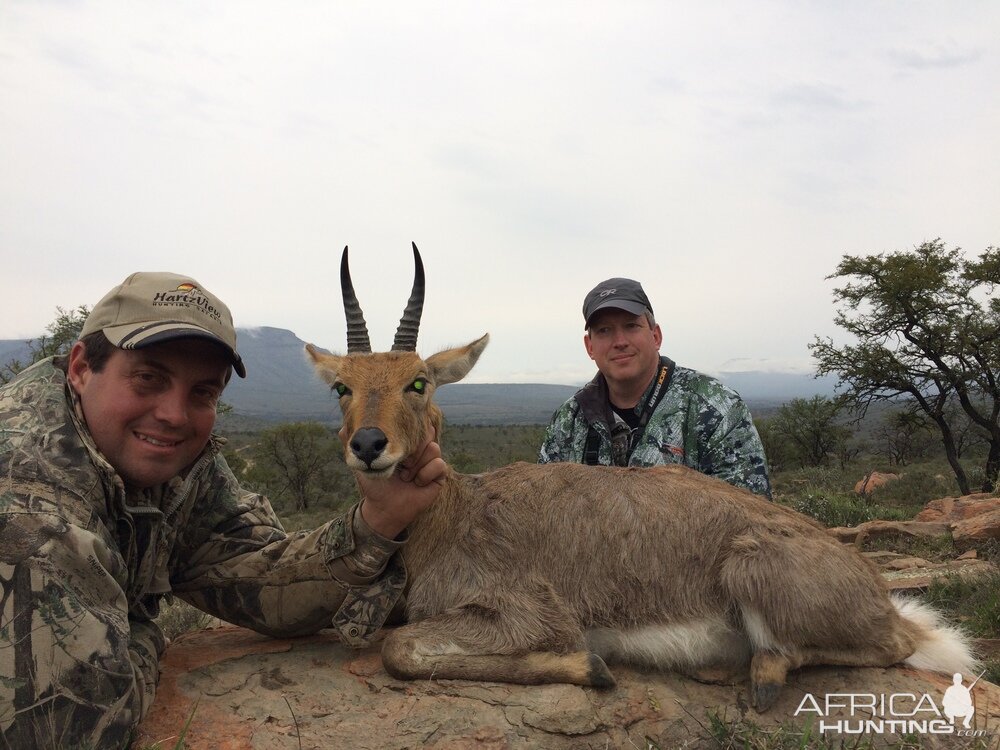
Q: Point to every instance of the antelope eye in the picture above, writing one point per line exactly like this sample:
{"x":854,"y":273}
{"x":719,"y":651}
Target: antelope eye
{"x":341,"y":389}
{"x":418,"y":385}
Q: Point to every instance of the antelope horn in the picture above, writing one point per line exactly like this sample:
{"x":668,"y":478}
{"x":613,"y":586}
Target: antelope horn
{"x":409,"y":324}
{"x":357,"y":330}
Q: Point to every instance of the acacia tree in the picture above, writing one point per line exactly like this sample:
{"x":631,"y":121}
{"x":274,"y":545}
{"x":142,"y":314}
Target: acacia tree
{"x":928,"y":334}
{"x":902,"y":435}
{"x":293,"y":459}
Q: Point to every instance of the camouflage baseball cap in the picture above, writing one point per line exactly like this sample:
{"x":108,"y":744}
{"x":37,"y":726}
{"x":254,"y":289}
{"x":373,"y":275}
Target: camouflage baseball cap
{"x":624,"y":294}
{"x":150,"y":308}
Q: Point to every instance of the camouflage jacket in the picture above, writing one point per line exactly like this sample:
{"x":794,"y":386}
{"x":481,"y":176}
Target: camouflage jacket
{"x":698,"y":422}
{"x":84,"y":564}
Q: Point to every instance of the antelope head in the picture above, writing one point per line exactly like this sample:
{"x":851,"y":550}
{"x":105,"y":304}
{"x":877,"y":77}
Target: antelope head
{"x":386,"y":397}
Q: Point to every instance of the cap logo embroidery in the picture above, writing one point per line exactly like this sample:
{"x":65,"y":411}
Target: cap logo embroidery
{"x":606,"y":292}
{"x":187,"y":295}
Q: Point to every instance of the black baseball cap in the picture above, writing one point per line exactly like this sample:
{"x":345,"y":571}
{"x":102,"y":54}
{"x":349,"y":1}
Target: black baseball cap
{"x":624,"y":294}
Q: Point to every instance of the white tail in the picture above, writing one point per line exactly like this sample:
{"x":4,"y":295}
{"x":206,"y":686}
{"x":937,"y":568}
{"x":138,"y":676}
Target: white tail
{"x":943,"y":648}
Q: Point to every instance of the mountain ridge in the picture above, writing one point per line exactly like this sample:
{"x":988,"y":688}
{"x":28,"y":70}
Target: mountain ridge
{"x":282,"y":387}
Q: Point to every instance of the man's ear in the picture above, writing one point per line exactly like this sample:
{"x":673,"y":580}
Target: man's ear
{"x":78,"y":371}
{"x":657,"y":335}
{"x":588,"y":345}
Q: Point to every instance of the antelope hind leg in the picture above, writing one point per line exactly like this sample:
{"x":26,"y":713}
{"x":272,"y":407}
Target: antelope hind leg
{"x":768,"y":672}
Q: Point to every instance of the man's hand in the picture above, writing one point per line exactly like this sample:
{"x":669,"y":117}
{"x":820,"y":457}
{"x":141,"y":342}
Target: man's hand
{"x":391,"y":504}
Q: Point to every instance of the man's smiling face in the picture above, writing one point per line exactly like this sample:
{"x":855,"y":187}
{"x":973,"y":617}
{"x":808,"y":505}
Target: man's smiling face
{"x":151,"y":411}
{"x":624,"y":347}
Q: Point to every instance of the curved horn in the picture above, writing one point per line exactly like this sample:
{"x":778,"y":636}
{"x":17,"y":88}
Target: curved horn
{"x":409,"y":324}
{"x":357,"y":330}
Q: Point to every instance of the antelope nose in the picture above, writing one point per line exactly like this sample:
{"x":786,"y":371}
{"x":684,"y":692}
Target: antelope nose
{"x":368,"y":444}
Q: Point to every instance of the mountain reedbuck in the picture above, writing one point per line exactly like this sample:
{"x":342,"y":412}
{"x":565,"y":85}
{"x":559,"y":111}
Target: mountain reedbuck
{"x":543,"y":573}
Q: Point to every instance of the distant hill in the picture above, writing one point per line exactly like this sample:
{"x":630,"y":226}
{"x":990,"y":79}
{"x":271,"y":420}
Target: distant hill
{"x":282,"y":387}
{"x":764,"y":392}
{"x":14,"y":349}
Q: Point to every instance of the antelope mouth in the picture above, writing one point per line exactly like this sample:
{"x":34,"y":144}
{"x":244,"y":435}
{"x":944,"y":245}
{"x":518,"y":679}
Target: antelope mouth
{"x":382,"y":467}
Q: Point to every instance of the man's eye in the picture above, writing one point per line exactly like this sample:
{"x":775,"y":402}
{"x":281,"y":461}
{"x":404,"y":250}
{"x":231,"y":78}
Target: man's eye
{"x":341,"y":389}
{"x":147,"y":379}
{"x":418,"y":385}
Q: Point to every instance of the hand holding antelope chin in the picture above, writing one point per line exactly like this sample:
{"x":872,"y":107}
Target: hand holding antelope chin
{"x":391,"y":504}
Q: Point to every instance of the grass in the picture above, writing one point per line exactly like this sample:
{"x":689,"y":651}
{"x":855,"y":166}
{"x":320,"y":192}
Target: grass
{"x":179,"y":744}
{"x":842,"y":509}
{"x":179,"y":617}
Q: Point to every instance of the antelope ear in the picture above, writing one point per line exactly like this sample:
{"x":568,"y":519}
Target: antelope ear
{"x":327,"y":365}
{"x":452,"y":365}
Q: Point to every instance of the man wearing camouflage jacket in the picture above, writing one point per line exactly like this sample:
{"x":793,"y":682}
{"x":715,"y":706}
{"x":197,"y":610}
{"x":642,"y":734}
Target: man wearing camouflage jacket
{"x":114,"y":494}
{"x":641,"y":409}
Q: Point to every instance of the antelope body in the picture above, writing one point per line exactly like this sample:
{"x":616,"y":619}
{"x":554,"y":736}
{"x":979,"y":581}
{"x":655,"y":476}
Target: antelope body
{"x":544,"y":573}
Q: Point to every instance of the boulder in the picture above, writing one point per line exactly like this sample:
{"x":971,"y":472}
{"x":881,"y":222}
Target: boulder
{"x":955,"y":509}
{"x":968,"y":519}
{"x":241,"y":690}
{"x":972,"y":518}
{"x":872,"y":481}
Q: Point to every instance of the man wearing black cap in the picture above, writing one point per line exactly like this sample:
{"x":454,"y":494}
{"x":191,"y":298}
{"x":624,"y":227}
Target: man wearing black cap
{"x":641,"y":409}
{"x":114,"y":494}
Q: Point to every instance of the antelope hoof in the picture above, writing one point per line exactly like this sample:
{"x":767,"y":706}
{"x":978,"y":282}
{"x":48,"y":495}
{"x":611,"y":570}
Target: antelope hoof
{"x":763,"y":695}
{"x":598,"y":673}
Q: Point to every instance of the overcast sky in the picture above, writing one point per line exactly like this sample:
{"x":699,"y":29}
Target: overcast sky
{"x":725,"y":154}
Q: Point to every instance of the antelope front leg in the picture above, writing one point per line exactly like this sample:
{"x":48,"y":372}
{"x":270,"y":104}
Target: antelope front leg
{"x":470,"y":643}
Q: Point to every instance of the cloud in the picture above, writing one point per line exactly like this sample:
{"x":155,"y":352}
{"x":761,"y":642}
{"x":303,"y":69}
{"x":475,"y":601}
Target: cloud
{"x":935,"y":58}
{"x":816,"y":99}
{"x":794,"y":365}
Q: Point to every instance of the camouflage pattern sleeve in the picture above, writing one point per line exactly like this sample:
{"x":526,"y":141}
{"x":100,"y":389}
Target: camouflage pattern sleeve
{"x":732,"y":450}
{"x":74,"y":670}
{"x":240,"y":565}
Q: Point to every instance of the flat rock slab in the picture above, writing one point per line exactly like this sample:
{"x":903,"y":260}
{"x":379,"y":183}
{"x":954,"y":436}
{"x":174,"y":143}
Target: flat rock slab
{"x":920,"y":577}
{"x":247,"y":691}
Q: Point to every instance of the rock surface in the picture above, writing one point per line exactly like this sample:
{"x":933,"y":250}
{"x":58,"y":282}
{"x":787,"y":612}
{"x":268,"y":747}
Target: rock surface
{"x":248,"y":691}
{"x":967,"y":520}
{"x":872,"y":481}
{"x":972,"y":518}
